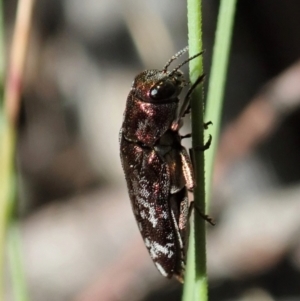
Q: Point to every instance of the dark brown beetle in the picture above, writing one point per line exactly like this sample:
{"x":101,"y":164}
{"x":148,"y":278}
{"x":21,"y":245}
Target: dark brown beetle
{"x":157,"y":168}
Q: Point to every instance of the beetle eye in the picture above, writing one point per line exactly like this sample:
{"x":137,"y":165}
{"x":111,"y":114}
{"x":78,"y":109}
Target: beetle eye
{"x":163,"y":90}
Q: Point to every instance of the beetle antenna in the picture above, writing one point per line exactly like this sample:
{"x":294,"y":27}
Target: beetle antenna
{"x":186,"y":106}
{"x":186,"y":61}
{"x":174,"y":57}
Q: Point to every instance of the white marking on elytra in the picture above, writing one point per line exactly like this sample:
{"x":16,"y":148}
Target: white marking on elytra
{"x":161,"y":269}
{"x":140,"y":226}
{"x":142,"y":214}
{"x":165,"y":215}
{"x":152,"y":218}
{"x":151,"y":212}
{"x":170,"y":236}
{"x":156,"y":249}
{"x":140,"y":188}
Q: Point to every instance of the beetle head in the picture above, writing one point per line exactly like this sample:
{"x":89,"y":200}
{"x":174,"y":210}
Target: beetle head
{"x":155,"y":86}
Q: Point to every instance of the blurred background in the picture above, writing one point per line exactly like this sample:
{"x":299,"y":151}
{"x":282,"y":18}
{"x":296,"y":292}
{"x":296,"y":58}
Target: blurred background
{"x":79,"y":238}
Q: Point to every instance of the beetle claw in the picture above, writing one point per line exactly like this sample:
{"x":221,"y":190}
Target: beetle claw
{"x":205,"y":146}
{"x":206,"y":217}
{"x":206,"y":124}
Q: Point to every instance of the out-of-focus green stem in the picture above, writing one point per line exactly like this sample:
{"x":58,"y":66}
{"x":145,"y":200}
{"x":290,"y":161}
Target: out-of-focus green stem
{"x":9,"y":111}
{"x":7,"y":139}
{"x":7,"y":187}
{"x":2,"y":54}
{"x":16,"y":263}
{"x":217,"y":80}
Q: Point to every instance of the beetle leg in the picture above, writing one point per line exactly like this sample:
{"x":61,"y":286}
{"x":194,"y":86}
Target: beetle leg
{"x":187,"y":169}
{"x":186,"y":107}
{"x":206,"y":124}
{"x":205,"y":146}
{"x":179,"y":209}
{"x":206,"y":217}
{"x":186,"y":136}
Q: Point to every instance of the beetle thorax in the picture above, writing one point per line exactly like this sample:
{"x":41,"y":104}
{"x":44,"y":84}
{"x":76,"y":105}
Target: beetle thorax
{"x":146,"y":122}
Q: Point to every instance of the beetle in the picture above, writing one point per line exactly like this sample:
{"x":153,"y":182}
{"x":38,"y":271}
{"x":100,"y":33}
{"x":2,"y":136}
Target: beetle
{"x":158,"y":169}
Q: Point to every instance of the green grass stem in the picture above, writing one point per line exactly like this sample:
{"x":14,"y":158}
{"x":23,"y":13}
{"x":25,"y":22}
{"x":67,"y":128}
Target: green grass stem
{"x":7,"y":141}
{"x":196,"y":283}
{"x":195,"y":287}
{"x":7,"y":188}
{"x":217,"y":81}
{"x":16,"y":263}
{"x":9,"y":112}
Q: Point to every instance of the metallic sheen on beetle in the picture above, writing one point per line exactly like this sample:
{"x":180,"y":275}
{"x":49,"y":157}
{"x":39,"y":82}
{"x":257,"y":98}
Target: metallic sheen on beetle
{"x":158,"y":169}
